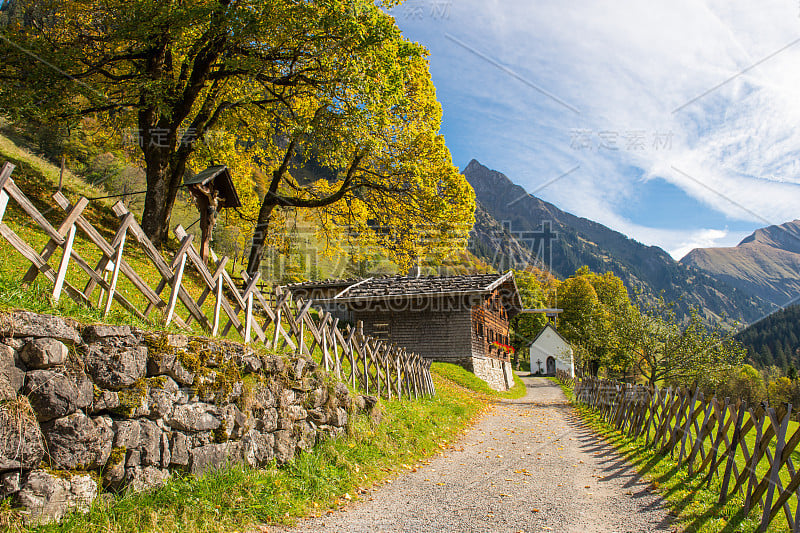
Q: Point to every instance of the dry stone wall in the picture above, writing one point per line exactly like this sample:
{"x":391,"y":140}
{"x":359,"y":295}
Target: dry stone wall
{"x":87,"y":408}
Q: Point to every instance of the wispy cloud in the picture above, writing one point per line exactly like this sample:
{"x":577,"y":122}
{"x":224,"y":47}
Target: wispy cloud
{"x":629,"y":67}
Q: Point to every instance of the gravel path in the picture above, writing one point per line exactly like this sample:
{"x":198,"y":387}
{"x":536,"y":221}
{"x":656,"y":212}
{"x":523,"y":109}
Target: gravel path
{"x":527,"y":465}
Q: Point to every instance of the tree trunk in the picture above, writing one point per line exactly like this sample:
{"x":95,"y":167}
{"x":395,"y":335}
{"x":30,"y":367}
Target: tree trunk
{"x":259,"y":237}
{"x":163,"y":180}
{"x":155,"y":217}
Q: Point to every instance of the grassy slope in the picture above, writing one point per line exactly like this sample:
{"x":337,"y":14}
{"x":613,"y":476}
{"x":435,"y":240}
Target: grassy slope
{"x":471,"y":381}
{"x":38,"y":180}
{"x":689,"y":498}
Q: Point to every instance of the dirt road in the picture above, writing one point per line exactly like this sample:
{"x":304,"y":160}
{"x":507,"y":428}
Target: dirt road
{"x":527,"y":465}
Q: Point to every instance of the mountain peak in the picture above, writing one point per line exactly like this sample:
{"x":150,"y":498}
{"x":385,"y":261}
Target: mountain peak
{"x":565,"y":242}
{"x":785,"y":236}
{"x":473,"y":165}
{"x":764,"y":263}
{"x":483,"y":178}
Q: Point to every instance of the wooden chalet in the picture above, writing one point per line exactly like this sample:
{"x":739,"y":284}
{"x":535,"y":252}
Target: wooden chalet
{"x":455,"y":319}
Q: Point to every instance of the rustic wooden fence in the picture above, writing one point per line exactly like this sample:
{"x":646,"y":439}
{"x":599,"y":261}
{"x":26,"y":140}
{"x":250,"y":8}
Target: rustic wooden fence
{"x":275,"y":320}
{"x":751,"y":449}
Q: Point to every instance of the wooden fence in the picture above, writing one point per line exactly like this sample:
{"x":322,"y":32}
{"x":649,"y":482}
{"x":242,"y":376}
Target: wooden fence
{"x":222,"y":308}
{"x":751,"y":449}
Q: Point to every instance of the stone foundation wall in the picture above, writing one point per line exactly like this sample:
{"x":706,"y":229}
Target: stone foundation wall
{"x":498,"y":374}
{"x":85,"y":408}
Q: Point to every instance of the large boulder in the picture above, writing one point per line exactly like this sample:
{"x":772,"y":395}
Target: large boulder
{"x":7,"y":392}
{"x":284,"y":447}
{"x":338,"y":417}
{"x":268,"y":421}
{"x":106,"y":401}
{"x":257,"y":449}
{"x":307,"y":436}
{"x":342,"y":395}
{"x":150,"y":443}
{"x":213,"y":456}
{"x":126,"y":434}
{"x":162,"y":395}
{"x":167,"y":355}
{"x":180,"y":446}
{"x":195,"y":417}
{"x":260,"y":398}
{"x":99,"y":332}
{"x":27,"y":324}
{"x":319,"y":397}
{"x":117,"y":362}
{"x":296,"y":412}
{"x":318,"y":416}
{"x":21,"y":441}
{"x":85,"y":390}
{"x":142,"y":478}
{"x":52,"y":394}
{"x":48,"y":498}
{"x":10,"y":483}
{"x":10,"y":370}
{"x":44,"y":353}
{"x":77,"y":442}
{"x":114,"y":471}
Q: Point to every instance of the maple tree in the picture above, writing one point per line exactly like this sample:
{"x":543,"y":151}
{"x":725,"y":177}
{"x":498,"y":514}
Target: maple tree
{"x":325,"y":100}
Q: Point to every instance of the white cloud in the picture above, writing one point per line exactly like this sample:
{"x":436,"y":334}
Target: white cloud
{"x":627,"y":67}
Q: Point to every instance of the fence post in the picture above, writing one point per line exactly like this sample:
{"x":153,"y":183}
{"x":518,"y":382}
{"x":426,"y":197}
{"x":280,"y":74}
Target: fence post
{"x":217,"y":306}
{"x":248,"y":322}
{"x":777,"y":462}
{"x":62,"y":267}
{"x":5,"y":175}
{"x":117,"y":262}
{"x":180,"y":257}
{"x":689,"y":419}
{"x":731,"y":452}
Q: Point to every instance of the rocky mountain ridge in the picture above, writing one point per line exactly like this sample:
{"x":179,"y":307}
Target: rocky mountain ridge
{"x":766,"y":263}
{"x":509,"y":220}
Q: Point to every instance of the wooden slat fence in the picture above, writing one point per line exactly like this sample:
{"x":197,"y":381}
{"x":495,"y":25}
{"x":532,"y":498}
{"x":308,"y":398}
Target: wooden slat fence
{"x":223,"y":308}
{"x":751,"y":449}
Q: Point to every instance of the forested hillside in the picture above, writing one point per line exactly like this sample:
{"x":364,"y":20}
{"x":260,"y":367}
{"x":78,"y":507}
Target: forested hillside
{"x":774,"y":340}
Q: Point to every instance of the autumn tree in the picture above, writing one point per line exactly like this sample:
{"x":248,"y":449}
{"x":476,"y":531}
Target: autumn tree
{"x":537,"y":290}
{"x":745,"y":383}
{"x":593,"y":306}
{"x":326,"y":97}
{"x":664,"y":350}
{"x":395,"y":187}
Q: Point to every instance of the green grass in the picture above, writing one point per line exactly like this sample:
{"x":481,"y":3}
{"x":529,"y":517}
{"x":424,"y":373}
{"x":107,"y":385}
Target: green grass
{"x":470,"y":381}
{"x":234,"y":498}
{"x":38,"y":180}
{"x":237,"y":498}
{"x":690,"y":500}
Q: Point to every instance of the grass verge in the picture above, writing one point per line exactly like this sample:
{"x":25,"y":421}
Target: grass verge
{"x":237,"y":498}
{"x":689,"y":498}
{"x":470,"y":381}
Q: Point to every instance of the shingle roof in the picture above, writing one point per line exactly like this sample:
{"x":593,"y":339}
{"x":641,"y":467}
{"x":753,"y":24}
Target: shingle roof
{"x":394,"y":287}
{"x":412,"y":286}
{"x":324,"y":284}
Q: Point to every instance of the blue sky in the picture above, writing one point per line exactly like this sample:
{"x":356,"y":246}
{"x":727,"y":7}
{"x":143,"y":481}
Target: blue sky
{"x":683,"y":117}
